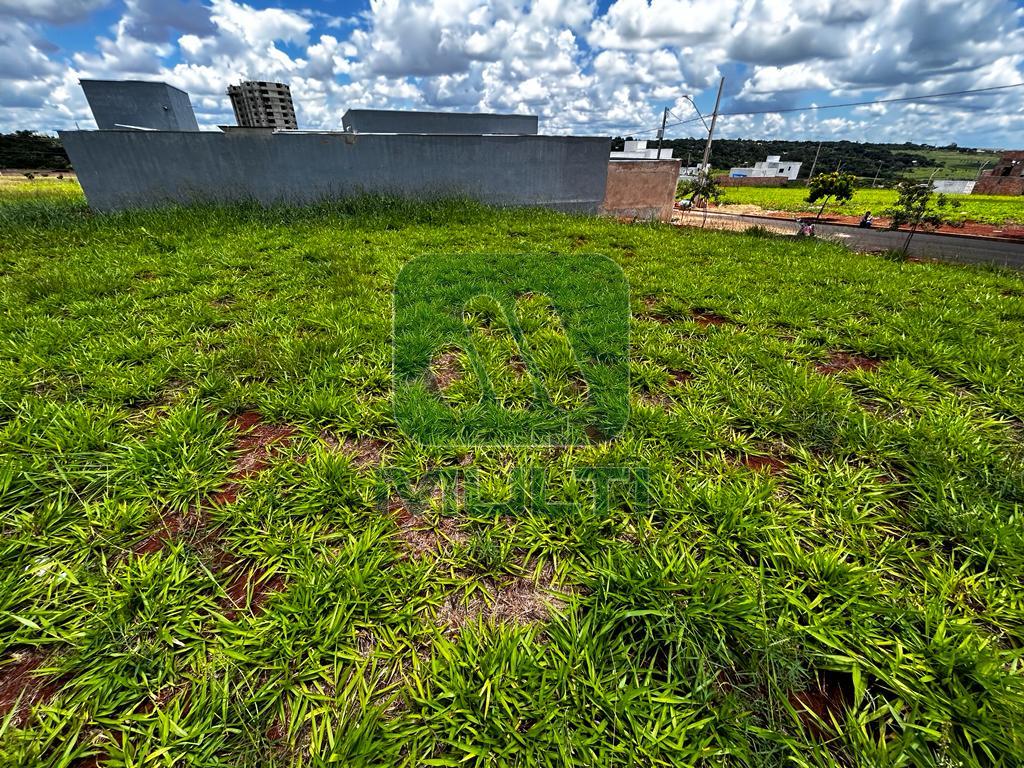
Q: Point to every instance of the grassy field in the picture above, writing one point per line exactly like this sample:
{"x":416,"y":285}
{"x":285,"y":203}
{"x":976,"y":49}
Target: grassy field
{"x":219,"y":550}
{"x":954,"y":165}
{"x":988,"y":209}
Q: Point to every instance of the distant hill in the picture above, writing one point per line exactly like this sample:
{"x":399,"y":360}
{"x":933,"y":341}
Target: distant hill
{"x":890,"y":161}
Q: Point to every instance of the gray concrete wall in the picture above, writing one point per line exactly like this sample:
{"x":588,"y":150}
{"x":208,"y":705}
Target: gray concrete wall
{"x":138,"y":169}
{"x":139,"y":103}
{"x":396,"y":121}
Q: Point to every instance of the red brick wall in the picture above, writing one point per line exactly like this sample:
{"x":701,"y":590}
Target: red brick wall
{"x":641,"y":189}
{"x":999,"y":185}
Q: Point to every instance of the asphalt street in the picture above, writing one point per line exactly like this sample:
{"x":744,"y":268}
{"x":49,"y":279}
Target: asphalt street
{"x":967,"y":250}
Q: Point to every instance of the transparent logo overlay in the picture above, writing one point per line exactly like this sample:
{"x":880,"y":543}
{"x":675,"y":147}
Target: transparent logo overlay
{"x":511,"y":349}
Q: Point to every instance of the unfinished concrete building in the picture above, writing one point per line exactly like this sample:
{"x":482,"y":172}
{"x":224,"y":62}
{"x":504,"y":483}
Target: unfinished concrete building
{"x":1007,"y":178}
{"x":263,"y":104}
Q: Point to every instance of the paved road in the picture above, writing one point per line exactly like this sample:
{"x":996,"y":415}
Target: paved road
{"x":968,"y":250}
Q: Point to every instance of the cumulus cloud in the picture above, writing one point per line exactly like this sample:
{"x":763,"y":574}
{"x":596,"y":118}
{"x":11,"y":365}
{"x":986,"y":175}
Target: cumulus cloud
{"x":578,"y":67}
{"x":53,"y":11}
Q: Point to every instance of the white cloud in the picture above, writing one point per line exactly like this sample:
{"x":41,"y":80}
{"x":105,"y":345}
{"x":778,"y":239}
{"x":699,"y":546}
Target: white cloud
{"x":579,"y":69}
{"x":53,"y":11}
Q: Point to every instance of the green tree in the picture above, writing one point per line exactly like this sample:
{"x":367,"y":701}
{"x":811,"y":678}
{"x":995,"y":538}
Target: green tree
{"x":25,"y":149}
{"x":701,"y":188}
{"x":914,"y":207}
{"x":828,"y":186}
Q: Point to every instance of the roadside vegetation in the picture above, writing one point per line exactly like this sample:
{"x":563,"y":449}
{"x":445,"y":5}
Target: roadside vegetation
{"x":218,"y":550}
{"x":987,"y":209}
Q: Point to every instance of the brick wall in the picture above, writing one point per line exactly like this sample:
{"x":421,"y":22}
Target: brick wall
{"x":999,"y":185}
{"x":641,"y":189}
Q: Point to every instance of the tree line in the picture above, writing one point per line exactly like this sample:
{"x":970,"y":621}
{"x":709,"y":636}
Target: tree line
{"x":32,"y":151}
{"x":860,"y":159}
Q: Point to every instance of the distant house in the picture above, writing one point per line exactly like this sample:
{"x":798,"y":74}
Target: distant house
{"x":770,"y":168}
{"x":1006,"y":178}
{"x":637,"y":150}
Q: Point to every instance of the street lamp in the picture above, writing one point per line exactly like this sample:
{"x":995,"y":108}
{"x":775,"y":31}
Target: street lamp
{"x":697,"y":110}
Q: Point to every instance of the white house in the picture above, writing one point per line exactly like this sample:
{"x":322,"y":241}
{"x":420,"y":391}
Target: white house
{"x":773,"y":166}
{"x":637,"y":150}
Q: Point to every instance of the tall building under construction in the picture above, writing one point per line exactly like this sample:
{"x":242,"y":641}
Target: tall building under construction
{"x":260,"y":104}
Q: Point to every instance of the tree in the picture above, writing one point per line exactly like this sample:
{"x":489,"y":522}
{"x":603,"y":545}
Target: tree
{"x":25,"y":149}
{"x":826,"y":186}
{"x":913,"y":206}
{"x":700,"y":189}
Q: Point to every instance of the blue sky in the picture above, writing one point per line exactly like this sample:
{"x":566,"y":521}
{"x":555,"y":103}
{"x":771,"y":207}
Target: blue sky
{"x":605,"y":68}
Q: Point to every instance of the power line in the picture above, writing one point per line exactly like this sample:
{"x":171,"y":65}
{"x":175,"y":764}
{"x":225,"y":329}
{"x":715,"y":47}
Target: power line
{"x":855,"y":103}
{"x":843,"y":106}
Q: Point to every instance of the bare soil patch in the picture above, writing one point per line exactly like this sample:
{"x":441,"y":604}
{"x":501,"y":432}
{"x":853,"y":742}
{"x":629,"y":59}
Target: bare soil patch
{"x":444,"y":371}
{"x":677,"y":376}
{"x":977,"y":229}
{"x":841,"y":362}
{"x":420,"y":536}
{"x":366,"y":452}
{"x":251,"y":587}
{"x":21,"y":689}
{"x":254,"y":443}
{"x":773,"y":465}
{"x":515,"y":600}
{"x":819,"y":705}
{"x":706,"y":317}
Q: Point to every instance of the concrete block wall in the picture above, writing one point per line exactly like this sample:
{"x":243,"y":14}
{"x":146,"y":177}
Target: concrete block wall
{"x":641,"y":189}
{"x":139,"y":103}
{"x":135,"y":169}
{"x":464,"y":123}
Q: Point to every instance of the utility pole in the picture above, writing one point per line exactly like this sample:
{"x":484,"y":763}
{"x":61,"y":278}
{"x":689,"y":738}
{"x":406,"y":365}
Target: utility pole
{"x":661,"y":133}
{"x":875,"y":182}
{"x":811,"y":174}
{"x":711,"y":131}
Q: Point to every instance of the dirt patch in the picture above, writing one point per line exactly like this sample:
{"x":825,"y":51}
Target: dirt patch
{"x":419,"y":536}
{"x":677,"y":376}
{"x":841,"y":362}
{"x":21,"y":688}
{"x":365,"y":451}
{"x":226,"y":495}
{"x":171,"y":524}
{"x":254,"y":445}
{"x":444,"y":371}
{"x":656,"y":399}
{"x":770,"y":464}
{"x":515,"y":600}
{"x":654,"y":310}
{"x":819,"y":705}
{"x":706,"y":317}
{"x":250,"y":587}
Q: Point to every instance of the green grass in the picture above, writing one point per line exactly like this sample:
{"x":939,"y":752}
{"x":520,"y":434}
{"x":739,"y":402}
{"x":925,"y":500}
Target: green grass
{"x":988,"y":209}
{"x":694,"y":615}
{"x":953,"y":164}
